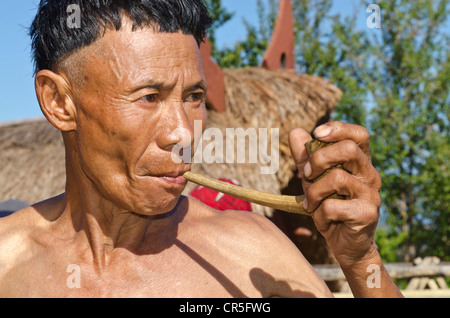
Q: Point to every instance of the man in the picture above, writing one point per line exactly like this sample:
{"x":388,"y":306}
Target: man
{"x":117,"y":87}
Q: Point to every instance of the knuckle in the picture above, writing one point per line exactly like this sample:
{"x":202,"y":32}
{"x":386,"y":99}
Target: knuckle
{"x":313,"y":194}
{"x":371,"y":209}
{"x":327,"y":206}
{"x":318,"y":158}
{"x":373,"y":178}
{"x":339,"y":176}
{"x":377,"y":181}
{"x":367,"y":213}
{"x":373,"y":213}
{"x":364,"y":133}
{"x":376,"y":198}
{"x":351,"y":148}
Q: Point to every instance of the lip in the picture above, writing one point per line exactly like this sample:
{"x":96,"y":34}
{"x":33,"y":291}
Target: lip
{"x":174,"y":181}
{"x":172,"y":178}
{"x":172,"y":174}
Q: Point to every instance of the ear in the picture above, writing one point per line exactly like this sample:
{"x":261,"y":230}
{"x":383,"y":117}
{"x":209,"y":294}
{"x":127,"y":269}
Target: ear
{"x":53,"y":94}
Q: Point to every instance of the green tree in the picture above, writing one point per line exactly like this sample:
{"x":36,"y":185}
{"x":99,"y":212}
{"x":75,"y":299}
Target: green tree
{"x":409,"y":124}
{"x":330,"y":46}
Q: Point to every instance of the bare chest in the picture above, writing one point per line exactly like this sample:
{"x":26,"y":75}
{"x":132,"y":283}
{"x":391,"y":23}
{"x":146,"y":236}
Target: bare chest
{"x":165,"y":276}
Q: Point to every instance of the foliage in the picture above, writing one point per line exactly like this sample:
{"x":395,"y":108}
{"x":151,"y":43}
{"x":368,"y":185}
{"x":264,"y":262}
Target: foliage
{"x":330,"y":46}
{"x":409,"y":124}
{"x":388,"y":244}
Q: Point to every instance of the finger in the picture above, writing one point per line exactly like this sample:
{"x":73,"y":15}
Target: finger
{"x":336,"y":131}
{"x":341,"y":183}
{"x":297,"y":140}
{"x":351,"y":157}
{"x":355,"y":213}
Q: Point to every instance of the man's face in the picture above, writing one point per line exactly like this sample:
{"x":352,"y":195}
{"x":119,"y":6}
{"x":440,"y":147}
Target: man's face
{"x":138,"y":89}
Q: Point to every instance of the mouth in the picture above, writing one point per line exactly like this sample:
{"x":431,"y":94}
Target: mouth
{"x":174,"y":182}
{"x":172,"y":178}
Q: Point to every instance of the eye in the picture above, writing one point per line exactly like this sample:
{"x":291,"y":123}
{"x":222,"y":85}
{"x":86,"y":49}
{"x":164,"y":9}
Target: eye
{"x":151,"y":98}
{"x":196,"y":97}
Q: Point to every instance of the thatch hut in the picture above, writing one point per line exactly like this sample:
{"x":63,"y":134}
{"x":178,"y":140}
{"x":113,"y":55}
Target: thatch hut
{"x":32,"y":161}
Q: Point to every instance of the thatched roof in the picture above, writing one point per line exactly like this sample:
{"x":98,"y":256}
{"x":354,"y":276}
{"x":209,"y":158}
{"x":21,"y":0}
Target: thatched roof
{"x":32,"y":161}
{"x":32,"y":153}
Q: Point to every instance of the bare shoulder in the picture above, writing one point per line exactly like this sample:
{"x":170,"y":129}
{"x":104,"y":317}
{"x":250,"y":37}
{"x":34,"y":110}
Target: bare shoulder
{"x":13,"y":225}
{"x":13,"y":238}
{"x":246,"y":225}
{"x":251,"y":228}
{"x":18,"y":230}
{"x":274,"y":264}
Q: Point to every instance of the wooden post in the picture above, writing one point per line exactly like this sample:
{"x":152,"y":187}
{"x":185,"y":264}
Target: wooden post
{"x":214,"y":77}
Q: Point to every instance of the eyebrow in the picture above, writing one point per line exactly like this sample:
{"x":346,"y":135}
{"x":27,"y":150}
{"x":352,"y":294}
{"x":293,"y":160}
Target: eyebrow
{"x":164,"y":86}
{"x":152,"y":84}
{"x":200,"y":85}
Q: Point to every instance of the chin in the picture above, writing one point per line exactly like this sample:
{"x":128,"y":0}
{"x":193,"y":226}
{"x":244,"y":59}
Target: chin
{"x":158,"y":206}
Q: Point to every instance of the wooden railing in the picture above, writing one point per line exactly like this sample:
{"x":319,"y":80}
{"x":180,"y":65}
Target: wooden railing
{"x":425,"y":275}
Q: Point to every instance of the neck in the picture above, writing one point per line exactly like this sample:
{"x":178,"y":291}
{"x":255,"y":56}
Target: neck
{"x":107,"y":227}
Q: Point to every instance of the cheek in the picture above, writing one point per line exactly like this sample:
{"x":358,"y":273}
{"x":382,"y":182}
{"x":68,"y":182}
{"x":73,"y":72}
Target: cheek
{"x":199,"y":114}
{"x":104,"y":148}
{"x":204,"y":115}
{"x":109,"y":164}
{"x":198,"y":122}
{"x":95,"y":139}
{"x":116,"y":131}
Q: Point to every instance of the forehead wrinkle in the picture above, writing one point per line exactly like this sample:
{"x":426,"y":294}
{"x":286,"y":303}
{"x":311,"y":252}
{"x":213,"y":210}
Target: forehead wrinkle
{"x":164,"y":73}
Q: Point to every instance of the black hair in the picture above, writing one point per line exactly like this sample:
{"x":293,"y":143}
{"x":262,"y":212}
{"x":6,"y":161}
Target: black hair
{"x":54,"y":35}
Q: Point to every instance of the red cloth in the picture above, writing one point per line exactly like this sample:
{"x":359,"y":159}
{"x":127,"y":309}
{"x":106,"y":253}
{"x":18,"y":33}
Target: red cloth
{"x":219,"y":200}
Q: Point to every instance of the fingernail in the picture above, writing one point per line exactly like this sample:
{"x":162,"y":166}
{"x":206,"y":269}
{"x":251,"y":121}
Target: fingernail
{"x":305,"y":204}
{"x":322,"y":131}
{"x":307,"y":170}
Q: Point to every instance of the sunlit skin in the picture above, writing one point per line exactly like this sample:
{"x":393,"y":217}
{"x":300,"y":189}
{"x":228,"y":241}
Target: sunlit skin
{"x":122,"y":218}
{"x":127,"y":131}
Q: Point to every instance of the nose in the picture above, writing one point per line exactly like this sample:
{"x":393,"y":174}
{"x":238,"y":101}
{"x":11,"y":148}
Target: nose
{"x":176,"y":132}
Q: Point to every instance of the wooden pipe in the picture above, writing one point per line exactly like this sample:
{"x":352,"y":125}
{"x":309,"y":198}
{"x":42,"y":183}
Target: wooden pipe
{"x":287,"y":203}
